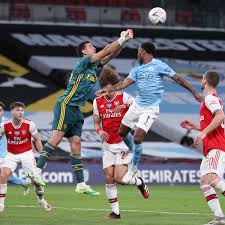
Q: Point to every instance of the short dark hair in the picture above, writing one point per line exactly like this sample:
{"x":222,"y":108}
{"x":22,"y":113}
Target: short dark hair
{"x":17,"y":104}
{"x":2,"y":104}
{"x":148,"y":47}
{"x":81,"y":47}
{"x":108,"y":76}
{"x":212,"y":77}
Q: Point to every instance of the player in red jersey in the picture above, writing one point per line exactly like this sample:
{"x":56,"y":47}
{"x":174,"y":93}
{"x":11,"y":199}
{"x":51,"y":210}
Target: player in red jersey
{"x":19,"y":133}
{"x":108,"y":113}
{"x":213,"y":140}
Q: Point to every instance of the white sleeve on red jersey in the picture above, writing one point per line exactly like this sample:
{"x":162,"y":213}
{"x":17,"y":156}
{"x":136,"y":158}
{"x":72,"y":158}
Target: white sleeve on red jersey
{"x":2,"y":129}
{"x":33,"y":128}
{"x":95,"y":108}
{"x":127,"y":99}
{"x":212,"y":103}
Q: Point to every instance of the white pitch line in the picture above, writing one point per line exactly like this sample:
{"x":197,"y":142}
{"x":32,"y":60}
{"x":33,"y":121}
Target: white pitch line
{"x":123,"y":210}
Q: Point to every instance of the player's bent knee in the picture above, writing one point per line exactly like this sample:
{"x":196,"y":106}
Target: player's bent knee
{"x":109,"y":179}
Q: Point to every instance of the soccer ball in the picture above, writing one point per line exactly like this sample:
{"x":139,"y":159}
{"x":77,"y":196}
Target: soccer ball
{"x":157,"y":15}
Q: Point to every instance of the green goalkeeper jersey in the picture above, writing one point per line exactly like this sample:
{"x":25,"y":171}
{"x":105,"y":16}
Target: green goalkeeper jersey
{"x":82,"y":80}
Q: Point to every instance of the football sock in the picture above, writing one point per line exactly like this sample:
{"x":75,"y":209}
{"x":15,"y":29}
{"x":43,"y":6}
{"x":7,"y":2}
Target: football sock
{"x":40,"y":191}
{"x":111,"y":193}
{"x":16,"y":180}
{"x":220,"y":185}
{"x":128,"y":140}
{"x":3,"y":191}
{"x":77,"y":166}
{"x":212,"y":200}
{"x":135,"y":181}
{"x":136,"y":156}
{"x":45,"y":154}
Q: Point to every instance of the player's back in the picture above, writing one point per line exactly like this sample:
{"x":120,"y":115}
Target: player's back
{"x":148,"y":79}
{"x":82,"y":80}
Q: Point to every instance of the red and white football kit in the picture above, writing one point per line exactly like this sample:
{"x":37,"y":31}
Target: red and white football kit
{"x":19,"y":144}
{"x":114,"y":149}
{"x":214,"y":143}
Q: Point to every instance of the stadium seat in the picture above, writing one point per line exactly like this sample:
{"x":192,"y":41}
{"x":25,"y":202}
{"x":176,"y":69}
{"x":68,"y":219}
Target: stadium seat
{"x":20,"y":11}
{"x":131,"y":16}
{"x":76,"y":14}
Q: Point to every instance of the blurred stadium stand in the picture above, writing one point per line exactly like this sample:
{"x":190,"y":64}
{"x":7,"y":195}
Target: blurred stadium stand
{"x":182,"y":13}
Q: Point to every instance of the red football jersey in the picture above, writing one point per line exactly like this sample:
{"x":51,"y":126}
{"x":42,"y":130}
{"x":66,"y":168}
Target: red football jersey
{"x":215,"y":139}
{"x":111,"y":120}
{"x":19,"y":138}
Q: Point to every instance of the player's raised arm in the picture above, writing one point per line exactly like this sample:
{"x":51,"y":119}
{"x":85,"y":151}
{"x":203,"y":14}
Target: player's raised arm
{"x":117,"y":87}
{"x":186,"y":85}
{"x":114,"y":47}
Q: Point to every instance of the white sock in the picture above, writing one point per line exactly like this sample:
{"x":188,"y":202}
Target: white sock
{"x":82,"y":185}
{"x":40,"y":191}
{"x":3,"y":191}
{"x":135,"y":181}
{"x":221,"y":187}
{"x":212,"y":200}
{"x":111,"y":193}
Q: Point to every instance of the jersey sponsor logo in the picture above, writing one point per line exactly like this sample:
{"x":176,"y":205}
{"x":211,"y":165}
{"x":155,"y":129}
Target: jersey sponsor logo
{"x":17,"y":141}
{"x":110,"y":114}
{"x":91,"y":78}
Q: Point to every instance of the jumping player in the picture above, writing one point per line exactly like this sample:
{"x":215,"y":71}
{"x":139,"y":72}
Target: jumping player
{"x":68,"y":119}
{"x":148,"y":76}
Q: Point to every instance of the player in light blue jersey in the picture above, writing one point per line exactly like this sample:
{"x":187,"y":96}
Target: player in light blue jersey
{"x":148,"y":76}
{"x":3,"y":151}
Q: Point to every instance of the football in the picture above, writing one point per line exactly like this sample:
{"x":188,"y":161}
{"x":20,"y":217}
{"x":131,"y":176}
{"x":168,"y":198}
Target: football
{"x":157,"y":15}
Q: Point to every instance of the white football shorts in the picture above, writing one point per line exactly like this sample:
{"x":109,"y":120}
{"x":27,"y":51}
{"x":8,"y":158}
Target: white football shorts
{"x":214,"y":162}
{"x":115,"y":154}
{"x":140,"y":117}
{"x":26,"y":159}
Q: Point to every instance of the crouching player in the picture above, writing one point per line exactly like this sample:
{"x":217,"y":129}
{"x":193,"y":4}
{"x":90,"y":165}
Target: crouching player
{"x":108,"y":112}
{"x":19,"y":133}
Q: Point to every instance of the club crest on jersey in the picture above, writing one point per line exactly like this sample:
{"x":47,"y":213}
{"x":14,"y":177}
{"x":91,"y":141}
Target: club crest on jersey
{"x":17,"y":133}
{"x":24,"y":132}
{"x":109,"y":104}
{"x":65,"y":126}
{"x":116,"y":103}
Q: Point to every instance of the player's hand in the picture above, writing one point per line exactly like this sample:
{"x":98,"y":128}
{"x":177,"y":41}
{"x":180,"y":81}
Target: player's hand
{"x":187,"y":125}
{"x":119,"y":107}
{"x":198,"y":97}
{"x":127,"y":35}
{"x":199,"y":138}
{"x":101,"y":92}
{"x":103,"y":135}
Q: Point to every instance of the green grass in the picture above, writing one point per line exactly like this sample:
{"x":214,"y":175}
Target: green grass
{"x":72,"y":209}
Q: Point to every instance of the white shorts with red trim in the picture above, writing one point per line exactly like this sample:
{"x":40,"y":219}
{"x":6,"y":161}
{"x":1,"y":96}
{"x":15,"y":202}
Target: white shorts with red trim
{"x":214,"y":162}
{"x":26,"y":159}
{"x":115,"y":154}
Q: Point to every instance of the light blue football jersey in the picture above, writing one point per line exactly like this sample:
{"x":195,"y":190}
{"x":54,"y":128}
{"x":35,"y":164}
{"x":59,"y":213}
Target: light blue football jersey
{"x":149,"y":82}
{"x":3,"y":142}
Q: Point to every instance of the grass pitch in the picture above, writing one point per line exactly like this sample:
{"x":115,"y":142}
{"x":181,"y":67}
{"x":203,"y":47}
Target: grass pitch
{"x":167,"y":205}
